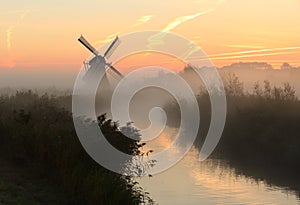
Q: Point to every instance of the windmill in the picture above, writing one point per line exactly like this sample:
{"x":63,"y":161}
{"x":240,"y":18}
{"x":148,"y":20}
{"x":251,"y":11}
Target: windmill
{"x":108,"y":83}
{"x":99,"y":61}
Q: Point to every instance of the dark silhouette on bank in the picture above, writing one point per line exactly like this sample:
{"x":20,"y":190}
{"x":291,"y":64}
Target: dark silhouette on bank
{"x":37,"y":132}
{"x":261,"y":138}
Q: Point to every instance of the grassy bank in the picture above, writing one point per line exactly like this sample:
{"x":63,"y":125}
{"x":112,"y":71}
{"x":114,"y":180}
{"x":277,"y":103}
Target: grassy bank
{"x":261,"y":138}
{"x":27,"y":184}
{"x":262,"y":133}
{"x":262,"y":127}
{"x":38,"y":129}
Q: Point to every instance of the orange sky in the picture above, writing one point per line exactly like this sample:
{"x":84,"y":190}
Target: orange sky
{"x":44,"y":34}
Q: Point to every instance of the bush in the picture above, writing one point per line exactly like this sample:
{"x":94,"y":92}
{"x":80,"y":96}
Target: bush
{"x":35,"y":128}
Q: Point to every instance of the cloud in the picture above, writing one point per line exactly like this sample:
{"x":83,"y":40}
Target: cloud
{"x":143,"y":20}
{"x":178,"y":21}
{"x":107,"y":39}
{"x":7,"y":60}
{"x":256,"y":51}
{"x":157,"y":39}
{"x":215,"y":57}
{"x":245,"y":46}
{"x":250,"y":55}
{"x":8,"y":37}
{"x":246,"y":54}
{"x":10,"y":29}
{"x":140,"y":21}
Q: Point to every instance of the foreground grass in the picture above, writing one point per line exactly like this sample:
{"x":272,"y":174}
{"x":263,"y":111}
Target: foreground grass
{"x":27,"y":185}
{"x":36,"y":129}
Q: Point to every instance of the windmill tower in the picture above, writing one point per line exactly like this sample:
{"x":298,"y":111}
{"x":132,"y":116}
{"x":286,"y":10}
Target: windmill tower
{"x":97,"y":63}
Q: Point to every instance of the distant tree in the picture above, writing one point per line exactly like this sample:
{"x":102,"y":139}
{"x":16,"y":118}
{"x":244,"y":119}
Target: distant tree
{"x":277,"y":93}
{"x":289,"y":92}
{"x":267,"y":89}
{"x":233,"y":86}
{"x":257,"y":89}
{"x":285,"y":66}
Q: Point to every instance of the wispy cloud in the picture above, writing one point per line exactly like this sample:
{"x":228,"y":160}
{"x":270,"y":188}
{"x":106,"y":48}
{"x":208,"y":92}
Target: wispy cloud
{"x":107,"y":39}
{"x":8,"y":37}
{"x":256,"y":51}
{"x":143,"y":20}
{"x":157,"y":39}
{"x":245,"y":46}
{"x":251,"y":55}
{"x":8,"y":58}
{"x":247,"y":54}
{"x":178,"y":21}
{"x":9,"y":31}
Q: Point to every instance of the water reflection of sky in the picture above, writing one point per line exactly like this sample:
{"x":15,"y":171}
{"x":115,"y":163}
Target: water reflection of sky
{"x":208,"y":182}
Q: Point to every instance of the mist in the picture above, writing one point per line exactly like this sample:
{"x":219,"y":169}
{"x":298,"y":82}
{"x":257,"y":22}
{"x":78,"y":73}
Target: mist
{"x":249,"y":73}
{"x":64,"y":79}
{"x":25,"y":78}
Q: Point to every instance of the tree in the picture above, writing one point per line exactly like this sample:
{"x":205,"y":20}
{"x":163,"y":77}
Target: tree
{"x":285,"y":66}
{"x":289,"y":92}
{"x":233,"y":86}
{"x":257,"y":89}
{"x":267,"y":89}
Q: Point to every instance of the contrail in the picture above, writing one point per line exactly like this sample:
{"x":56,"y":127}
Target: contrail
{"x":249,"y":53}
{"x":212,"y":57}
{"x":157,"y":39}
{"x":246,"y":46}
{"x":204,"y":58}
{"x":10,"y":29}
{"x":256,"y":51}
{"x":142,"y":20}
{"x":8,"y":37}
{"x":172,"y":25}
{"x":107,"y":39}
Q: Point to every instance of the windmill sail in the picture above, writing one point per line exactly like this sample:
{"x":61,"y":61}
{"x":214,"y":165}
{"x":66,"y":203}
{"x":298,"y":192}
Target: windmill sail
{"x":99,"y":62}
{"x":112,"y":47}
{"x":115,"y":70}
{"x":87,"y":45}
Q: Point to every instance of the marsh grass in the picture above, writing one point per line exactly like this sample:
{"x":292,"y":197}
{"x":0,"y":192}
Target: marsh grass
{"x":37,"y":128}
{"x":261,"y":136}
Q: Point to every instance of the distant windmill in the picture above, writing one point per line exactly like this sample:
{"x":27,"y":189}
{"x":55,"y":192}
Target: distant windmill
{"x":99,"y":62}
{"x":107,"y":84}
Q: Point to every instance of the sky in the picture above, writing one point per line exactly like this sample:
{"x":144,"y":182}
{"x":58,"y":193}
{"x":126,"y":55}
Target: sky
{"x":42,"y":35}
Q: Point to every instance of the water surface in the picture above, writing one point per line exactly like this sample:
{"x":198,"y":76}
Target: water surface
{"x":191,"y":182}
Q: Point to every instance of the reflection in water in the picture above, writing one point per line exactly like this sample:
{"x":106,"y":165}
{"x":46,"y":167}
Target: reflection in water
{"x":209,"y":182}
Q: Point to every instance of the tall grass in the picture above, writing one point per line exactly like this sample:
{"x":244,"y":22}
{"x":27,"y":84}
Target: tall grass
{"x":262,"y":127}
{"x":38,"y":128}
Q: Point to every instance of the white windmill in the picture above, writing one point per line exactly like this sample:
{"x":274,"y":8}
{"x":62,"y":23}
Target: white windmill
{"x":99,"y":62}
